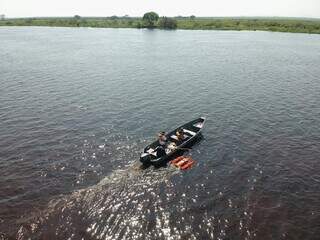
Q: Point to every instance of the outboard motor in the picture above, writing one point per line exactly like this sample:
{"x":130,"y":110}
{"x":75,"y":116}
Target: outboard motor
{"x":145,"y":158}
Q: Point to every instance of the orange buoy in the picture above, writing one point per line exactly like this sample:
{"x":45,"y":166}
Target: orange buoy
{"x":188,"y":165}
{"x":183,"y":162}
{"x":177,"y":160}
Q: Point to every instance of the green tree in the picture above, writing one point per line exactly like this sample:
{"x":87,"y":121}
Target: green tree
{"x":76,"y":20}
{"x":150,"y":19}
{"x":192,"y":17}
{"x":167,"y":23}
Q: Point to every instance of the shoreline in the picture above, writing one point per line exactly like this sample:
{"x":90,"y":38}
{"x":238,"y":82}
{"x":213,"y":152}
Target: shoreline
{"x":155,"y":29}
{"x":183,"y":23}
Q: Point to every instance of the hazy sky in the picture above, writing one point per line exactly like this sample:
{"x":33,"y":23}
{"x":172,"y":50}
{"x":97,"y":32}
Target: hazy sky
{"x":290,"y":8}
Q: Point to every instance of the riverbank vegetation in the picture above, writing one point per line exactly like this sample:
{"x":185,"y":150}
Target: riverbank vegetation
{"x":152,"y":20}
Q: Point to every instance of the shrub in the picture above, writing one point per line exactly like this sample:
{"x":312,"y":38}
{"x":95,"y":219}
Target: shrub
{"x":167,"y":23}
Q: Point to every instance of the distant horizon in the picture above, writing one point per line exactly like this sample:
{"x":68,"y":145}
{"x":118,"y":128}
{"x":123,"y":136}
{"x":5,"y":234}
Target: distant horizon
{"x":200,"y":8}
{"x":122,"y":16}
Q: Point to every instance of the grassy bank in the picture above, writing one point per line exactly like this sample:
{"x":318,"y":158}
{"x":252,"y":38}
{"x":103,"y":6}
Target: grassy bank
{"x":264,"y":24}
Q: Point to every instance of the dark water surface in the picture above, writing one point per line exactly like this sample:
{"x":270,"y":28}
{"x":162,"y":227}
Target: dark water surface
{"x":77,"y":105}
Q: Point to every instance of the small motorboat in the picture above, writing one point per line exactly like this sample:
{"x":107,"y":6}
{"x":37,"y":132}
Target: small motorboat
{"x":191,"y":131}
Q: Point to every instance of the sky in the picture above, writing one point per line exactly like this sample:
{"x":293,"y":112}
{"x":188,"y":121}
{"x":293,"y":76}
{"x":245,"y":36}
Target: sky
{"x":42,"y":8}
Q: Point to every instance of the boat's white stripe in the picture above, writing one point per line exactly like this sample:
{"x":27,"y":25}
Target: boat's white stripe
{"x":150,"y":150}
{"x":174,"y":137}
{"x":198,"y":125}
{"x":188,"y":131}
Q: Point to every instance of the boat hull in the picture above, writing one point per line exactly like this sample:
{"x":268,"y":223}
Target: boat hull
{"x":193,"y":133}
{"x":164,"y":160}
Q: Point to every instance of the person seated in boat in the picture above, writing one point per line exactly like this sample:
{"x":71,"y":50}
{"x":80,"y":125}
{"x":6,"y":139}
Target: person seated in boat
{"x":180,"y":136}
{"x":172,"y":146}
{"x":160,"y":151}
{"x":162,"y":138}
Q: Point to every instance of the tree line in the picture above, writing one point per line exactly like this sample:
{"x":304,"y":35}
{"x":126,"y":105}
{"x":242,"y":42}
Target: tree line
{"x":153,"y":20}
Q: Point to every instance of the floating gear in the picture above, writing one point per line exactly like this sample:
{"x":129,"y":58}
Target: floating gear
{"x":183,"y":162}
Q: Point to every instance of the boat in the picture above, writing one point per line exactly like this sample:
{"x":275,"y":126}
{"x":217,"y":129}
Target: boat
{"x":191,"y":132}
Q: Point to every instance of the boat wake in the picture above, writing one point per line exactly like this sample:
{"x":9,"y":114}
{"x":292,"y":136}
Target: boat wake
{"x":120,"y":206}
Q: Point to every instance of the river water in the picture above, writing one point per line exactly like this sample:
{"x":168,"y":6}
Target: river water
{"x":77,"y":105}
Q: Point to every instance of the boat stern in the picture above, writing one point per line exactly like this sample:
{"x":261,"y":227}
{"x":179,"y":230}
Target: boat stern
{"x":145,"y":158}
